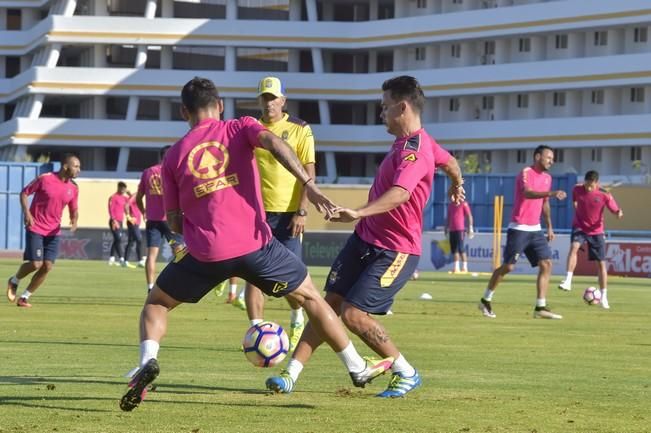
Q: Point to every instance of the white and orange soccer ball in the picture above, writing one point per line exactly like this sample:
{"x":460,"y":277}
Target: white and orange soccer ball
{"x":265,"y":344}
{"x":592,"y":296}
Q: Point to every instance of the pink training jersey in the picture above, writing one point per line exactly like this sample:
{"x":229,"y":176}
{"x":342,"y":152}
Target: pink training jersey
{"x":589,"y":209}
{"x":117,"y":202}
{"x":211,"y":175}
{"x":51,"y":195}
{"x":457,"y":216}
{"x":134,"y":211}
{"x":151,"y":186}
{"x":527,"y":211}
{"x":410,"y":164}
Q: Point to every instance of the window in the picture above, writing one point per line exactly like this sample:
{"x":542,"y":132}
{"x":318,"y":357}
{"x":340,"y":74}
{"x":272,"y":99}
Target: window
{"x":487,"y":102}
{"x":457,"y":2}
{"x":596,"y":154}
{"x":521,"y":156}
{"x":523,"y":100}
{"x":598,"y":97}
{"x":421,"y":4}
{"x":489,"y":48}
{"x":559,"y":155}
{"x":14,"y":19}
{"x":420,"y":53}
{"x":561,"y":42}
{"x":637,"y":94}
{"x":601,"y":38}
{"x":640,"y":34}
{"x":559,"y":99}
{"x":455,"y":50}
{"x":12,"y":66}
{"x":454,"y":104}
{"x":636,"y":153}
{"x":524,"y":45}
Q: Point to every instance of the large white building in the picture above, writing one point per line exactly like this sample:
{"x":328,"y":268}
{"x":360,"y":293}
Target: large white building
{"x":103,"y":77}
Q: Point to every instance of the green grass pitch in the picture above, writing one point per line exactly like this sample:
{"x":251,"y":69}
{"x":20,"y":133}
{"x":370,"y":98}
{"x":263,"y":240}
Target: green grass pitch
{"x":62,"y":362}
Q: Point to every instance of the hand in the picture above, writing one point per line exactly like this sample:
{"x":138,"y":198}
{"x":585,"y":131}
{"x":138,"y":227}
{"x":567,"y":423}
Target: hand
{"x":345,"y":215}
{"x":550,"y":235}
{"x":560,"y":195}
{"x":115,"y":225}
{"x":456,"y":193}
{"x":73,"y":227}
{"x":29,"y":220}
{"x":297,"y":225}
{"x":620,"y":214}
{"x":320,"y":201}
{"x":471,"y":233}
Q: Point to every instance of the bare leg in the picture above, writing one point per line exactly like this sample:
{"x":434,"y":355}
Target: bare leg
{"x":27,"y":268}
{"x":153,"y":319}
{"x":150,"y":264}
{"x":499,"y":274}
{"x":254,"y":299}
{"x":39,"y":276}
{"x":602,"y":273}
{"x":369,"y":330}
{"x":571,"y":256}
{"x":323,"y":319}
{"x":544,"y":272}
{"x":310,"y":340}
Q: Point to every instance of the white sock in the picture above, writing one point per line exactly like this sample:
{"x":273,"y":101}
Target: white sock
{"x":26,"y":294}
{"x":144,"y":258}
{"x":296,"y":316}
{"x":465,"y":266}
{"x":111,"y":259}
{"x":541,"y":302}
{"x":240,"y":296}
{"x":568,"y":277}
{"x":456,"y":265}
{"x":121,"y":259}
{"x":351,"y":359}
{"x":254,"y":322}
{"x":604,"y":293}
{"x":14,"y":280}
{"x":400,"y":365}
{"x":488,"y":294}
{"x":294,"y":368}
{"x":150,"y":286}
{"x":148,"y":350}
{"x":233,"y":289}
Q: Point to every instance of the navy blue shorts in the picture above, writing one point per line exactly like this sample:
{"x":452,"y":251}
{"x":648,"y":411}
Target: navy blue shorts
{"x":596,"y":244}
{"x":273,"y":268}
{"x":368,"y":277}
{"x":278,"y":221}
{"x":456,"y":241}
{"x":155,"y":231}
{"x":533,"y":244}
{"x":39,"y":248}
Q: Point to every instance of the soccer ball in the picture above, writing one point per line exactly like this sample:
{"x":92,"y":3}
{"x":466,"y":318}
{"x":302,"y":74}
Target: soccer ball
{"x":265,"y":344}
{"x":592,"y":296}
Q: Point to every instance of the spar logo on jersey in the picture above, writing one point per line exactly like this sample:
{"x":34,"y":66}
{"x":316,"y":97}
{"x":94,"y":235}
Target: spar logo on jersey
{"x":155,"y":184}
{"x":208,"y":161}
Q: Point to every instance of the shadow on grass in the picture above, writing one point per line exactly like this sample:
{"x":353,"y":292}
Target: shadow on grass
{"x":129,"y":345}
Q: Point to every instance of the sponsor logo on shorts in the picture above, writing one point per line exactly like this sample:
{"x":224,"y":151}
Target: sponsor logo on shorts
{"x":39,"y":252}
{"x":279,"y":286}
{"x":393,"y":270}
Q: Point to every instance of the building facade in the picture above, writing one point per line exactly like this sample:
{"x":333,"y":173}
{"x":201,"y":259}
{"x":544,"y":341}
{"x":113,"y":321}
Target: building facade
{"x":102,"y":77}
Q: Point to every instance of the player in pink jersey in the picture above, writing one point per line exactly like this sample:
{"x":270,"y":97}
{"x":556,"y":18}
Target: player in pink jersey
{"x":382,"y":254}
{"x":456,"y":229}
{"x":532,"y":192}
{"x":212,"y":196}
{"x":117,"y":202}
{"x":590,"y":201}
{"x":150,"y":189}
{"x":52,"y":193}
{"x":134,"y":218}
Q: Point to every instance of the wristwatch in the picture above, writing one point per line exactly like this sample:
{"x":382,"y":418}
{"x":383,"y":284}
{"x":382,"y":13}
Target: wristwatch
{"x":301,"y":212}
